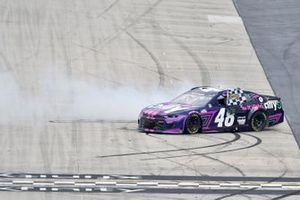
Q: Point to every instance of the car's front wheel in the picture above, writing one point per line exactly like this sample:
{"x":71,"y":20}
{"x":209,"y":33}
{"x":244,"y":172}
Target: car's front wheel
{"x":258,"y":121}
{"x":193,"y":124}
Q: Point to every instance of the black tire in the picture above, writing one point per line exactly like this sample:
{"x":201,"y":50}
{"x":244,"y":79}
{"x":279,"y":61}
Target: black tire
{"x":193,"y":124}
{"x":258,"y":121}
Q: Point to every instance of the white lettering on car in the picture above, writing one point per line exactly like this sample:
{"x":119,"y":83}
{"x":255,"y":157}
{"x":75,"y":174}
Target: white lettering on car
{"x":272,"y":104}
{"x":221,"y":120}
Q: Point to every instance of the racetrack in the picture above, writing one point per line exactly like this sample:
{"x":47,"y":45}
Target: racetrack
{"x":73,"y":73}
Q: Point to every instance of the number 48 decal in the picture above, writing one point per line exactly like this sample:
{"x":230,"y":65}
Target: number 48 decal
{"x":223,"y":120}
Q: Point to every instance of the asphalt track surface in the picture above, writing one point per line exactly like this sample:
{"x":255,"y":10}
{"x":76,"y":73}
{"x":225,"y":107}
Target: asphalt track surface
{"x":145,"y":45}
{"x":273,"y":27}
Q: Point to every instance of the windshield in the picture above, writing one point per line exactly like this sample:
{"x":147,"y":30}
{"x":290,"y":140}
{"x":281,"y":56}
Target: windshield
{"x":193,"y":98}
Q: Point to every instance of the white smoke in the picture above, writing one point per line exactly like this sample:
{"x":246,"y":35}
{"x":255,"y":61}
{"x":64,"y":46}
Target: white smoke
{"x":64,"y":99}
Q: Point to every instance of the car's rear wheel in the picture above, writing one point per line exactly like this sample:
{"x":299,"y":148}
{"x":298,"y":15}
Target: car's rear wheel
{"x":193,"y":124}
{"x":258,"y":121}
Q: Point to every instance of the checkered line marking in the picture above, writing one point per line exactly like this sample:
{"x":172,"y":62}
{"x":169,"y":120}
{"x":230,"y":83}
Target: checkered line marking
{"x":97,"y":184}
{"x":88,"y":183}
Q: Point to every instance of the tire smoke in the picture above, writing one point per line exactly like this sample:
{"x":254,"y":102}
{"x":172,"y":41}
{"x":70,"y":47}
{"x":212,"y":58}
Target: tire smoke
{"x":63,"y":99}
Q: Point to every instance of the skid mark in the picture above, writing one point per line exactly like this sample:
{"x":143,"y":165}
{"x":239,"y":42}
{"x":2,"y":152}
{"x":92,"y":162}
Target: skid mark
{"x":160,"y":70}
{"x":236,"y":138}
{"x":258,"y":141}
{"x":205,"y":75}
{"x":134,"y":22}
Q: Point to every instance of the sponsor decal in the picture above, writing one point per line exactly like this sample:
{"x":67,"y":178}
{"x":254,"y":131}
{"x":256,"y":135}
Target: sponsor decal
{"x":273,"y":104}
{"x":241,"y":120}
{"x":252,"y":107}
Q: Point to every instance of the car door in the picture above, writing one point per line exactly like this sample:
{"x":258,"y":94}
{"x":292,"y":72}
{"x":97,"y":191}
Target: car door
{"x":225,"y":115}
{"x":228,"y":107}
{"x":217,"y":116}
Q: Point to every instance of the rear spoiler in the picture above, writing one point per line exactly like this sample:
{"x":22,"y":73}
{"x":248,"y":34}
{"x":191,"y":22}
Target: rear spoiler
{"x":271,"y":97}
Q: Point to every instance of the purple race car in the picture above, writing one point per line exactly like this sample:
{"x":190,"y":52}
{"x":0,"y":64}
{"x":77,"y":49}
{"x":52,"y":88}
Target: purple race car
{"x":207,"y":109}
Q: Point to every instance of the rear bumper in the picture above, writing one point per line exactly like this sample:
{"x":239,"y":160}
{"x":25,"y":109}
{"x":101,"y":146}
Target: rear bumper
{"x":276,"y":118}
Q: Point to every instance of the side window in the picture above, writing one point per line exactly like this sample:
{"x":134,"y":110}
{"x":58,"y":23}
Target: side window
{"x":252,"y":98}
{"x":248,"y":98}
{"x":221,"y":101}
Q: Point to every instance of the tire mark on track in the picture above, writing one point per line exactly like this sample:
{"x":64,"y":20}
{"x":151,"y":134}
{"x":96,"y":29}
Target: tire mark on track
{"x":258,"y":141}
{"x":205,"y":75}
{"x":74,"y":163}
{"x":242,"y":192}
{"x":270,"y":181}
{"x":225,"y":163}
{"x":205,"y":156}
{"x":136,"y":20}
{"x":252,"y":189}
{"x":160,"y":70}
{"x":106,"y":10}
{"x":236,"y":138}
{"x":287,"y":195}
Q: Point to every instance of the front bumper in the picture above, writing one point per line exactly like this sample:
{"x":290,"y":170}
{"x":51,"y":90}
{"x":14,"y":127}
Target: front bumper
{"x":161,"y":124}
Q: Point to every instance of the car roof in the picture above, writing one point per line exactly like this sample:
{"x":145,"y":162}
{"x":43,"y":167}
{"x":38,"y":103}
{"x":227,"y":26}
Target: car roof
{"x":214,"y":91}
{"x":206,"y":90}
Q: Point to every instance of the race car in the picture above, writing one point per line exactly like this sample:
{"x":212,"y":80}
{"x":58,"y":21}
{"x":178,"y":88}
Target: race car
{"x":208,"y":109}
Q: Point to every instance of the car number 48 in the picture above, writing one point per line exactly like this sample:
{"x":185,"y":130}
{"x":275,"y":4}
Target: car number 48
{"x":223,"y":120}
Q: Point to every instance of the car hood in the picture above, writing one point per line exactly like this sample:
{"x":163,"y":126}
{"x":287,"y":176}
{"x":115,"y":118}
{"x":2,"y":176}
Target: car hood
{"x":166,"y":109}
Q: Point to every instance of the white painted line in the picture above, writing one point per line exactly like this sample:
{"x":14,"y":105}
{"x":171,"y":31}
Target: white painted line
{"x":28,"y":176}
{"x":188,"y":184}
{"x":43,"y":189}
{"x":76,"y":189}
{"x":297,"y":187}
{"x":64,"y":182}
{"x":131,"y":190}
{"x":87,"y":176}
{"x":249,"y":185}
{"x":106,"y":183}
{"x":43,"y":183}
{"x":75,"y":176}
{"x":209,"y":186}
{"x":127,"y":177}
{"x":88,"y":189}
{"x":43,"y":176}
{"x":6,"y":183}
{"x":85,"y":184}
{"x":24,"y":188}
{"x":106,"y":177}
{"x":103,"y":189}
{"x":5,"y":175}
{"x":229,"y":185}
{"x":224,"y":19}
{"x":22,"y":182}
{"x":271,"y":185}
{"x":54,"y":176}
{"x":168,"y":184}
{"x":126,"y":184}
{"x":147,"y":183}
{"x":54,"y":189}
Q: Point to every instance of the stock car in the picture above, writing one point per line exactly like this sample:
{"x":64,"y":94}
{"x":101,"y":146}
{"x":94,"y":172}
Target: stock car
{"x":208,"y":109}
